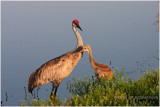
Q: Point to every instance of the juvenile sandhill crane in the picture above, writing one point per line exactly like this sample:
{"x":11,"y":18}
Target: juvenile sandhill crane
{"x":100,"y":70}
{"x":57,"y":69}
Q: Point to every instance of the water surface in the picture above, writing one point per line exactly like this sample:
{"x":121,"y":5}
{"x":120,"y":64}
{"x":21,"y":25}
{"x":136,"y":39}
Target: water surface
{"x":123,"y":33}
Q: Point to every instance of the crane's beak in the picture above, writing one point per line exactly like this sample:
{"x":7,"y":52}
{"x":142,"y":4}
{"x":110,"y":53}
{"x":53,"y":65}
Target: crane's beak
{"x":82,"y":50}
{"x":79,"y":27}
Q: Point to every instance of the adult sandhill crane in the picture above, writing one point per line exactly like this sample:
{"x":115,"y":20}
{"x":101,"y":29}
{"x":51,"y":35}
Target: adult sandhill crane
{"x":57,"y":69}
{"x":100,"y":70}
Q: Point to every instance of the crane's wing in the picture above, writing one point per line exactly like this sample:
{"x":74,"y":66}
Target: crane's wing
{"x":102,"y":67}
{"x":41,"y":75}
{"x":51,"y":68}
{"x":58,"y":68}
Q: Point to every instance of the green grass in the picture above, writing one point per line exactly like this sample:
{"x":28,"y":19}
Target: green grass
{"x":119,"y":91}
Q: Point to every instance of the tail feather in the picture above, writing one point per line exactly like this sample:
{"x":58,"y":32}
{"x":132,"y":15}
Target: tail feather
{"x":31,"y":82}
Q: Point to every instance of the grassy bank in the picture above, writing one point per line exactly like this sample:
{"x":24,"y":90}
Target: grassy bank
{"x":119,"y":91}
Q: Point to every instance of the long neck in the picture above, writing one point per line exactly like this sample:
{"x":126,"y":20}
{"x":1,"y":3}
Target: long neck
{"x":78,"y":36}
{"x":91,"y":58}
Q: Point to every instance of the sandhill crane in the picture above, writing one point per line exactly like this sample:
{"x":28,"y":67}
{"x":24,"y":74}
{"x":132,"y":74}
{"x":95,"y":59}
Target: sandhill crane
{"x":57,"y":69}
{"x":100,"y":70}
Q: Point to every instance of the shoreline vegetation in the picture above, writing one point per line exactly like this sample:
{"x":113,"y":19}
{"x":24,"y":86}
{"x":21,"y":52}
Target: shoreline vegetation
{"x":121,"y":91}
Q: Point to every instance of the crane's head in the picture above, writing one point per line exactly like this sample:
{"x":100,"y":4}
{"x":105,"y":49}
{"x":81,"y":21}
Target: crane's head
{"x":75,"y":23}
{"x":86,"y":48}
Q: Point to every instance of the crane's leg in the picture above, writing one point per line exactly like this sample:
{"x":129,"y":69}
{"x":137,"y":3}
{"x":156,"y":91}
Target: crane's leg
{"x":52,"y":90}
{"x":55,"y":87}
{"x":55,"y":91}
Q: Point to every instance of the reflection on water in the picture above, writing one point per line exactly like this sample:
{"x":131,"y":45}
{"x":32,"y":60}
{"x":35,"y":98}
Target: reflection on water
{"x":156,"y":58}
{"x":25,"y":93}
{"x":6,"y":96}
{"x":37,"y":93}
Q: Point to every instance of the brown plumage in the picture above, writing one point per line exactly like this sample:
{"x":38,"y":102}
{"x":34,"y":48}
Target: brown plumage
{"x":100,"y":70}
{"x":57,"y":69}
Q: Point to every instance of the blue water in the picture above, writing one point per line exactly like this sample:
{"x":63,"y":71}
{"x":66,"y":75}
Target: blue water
{"x":124,"y":33}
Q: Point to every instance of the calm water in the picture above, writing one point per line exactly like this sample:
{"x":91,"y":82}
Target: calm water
{"x":124,"y":33}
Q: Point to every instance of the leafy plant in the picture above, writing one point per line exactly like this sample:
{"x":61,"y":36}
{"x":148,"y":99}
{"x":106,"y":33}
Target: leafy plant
{"x":119,"y":91}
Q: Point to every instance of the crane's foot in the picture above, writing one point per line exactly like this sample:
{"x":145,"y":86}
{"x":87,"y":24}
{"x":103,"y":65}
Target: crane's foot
{"x":53,"y":97}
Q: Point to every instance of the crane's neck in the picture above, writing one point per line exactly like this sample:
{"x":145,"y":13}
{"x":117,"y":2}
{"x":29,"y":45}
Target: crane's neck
{"x":91,"y":58}
{"x":79,"y":38}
